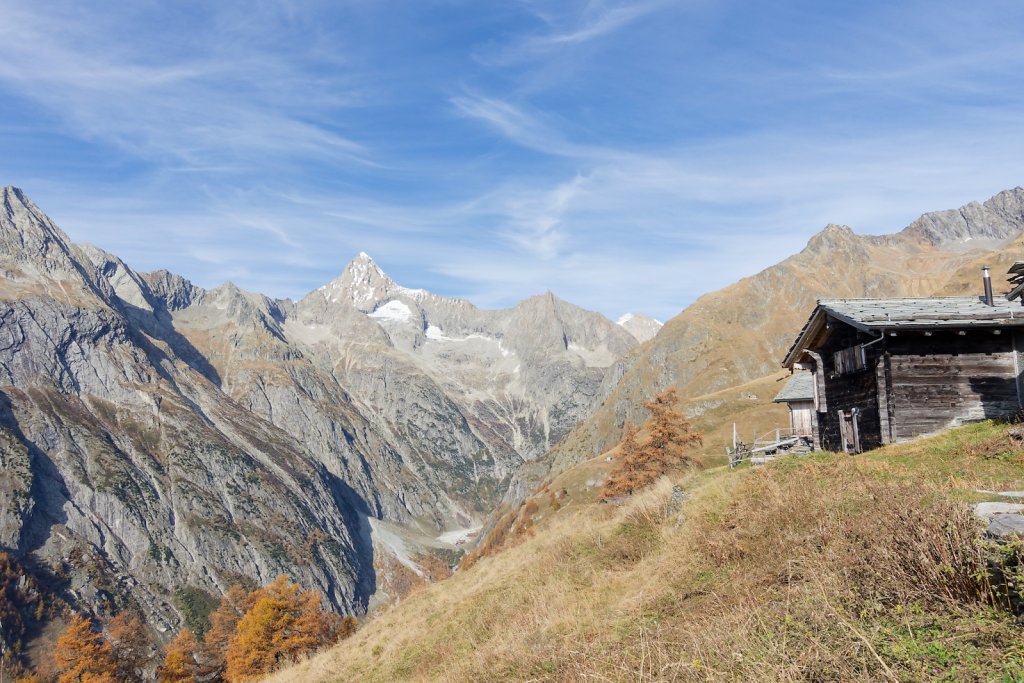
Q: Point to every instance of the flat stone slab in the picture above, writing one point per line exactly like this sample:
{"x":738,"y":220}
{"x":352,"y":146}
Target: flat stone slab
{"x":1003,"y":526}
{"x":986,"y":510}
{"x":1003,"y":519}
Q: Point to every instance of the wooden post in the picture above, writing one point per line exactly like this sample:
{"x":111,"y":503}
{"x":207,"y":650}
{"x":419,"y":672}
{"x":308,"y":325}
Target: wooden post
{"x":854,"y":413}
{"x":734,"y":436}
{"x":844,"y":434}
{"x":1017,"y":369}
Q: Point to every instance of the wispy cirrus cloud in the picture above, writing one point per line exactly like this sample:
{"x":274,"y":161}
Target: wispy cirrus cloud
{"x":627,"y":155}
{"x":597,"y":19}
{"x":512,"y":122}
{"x":222,"y":107}
{"x":528,"y":129}
{"x":565,"y":27}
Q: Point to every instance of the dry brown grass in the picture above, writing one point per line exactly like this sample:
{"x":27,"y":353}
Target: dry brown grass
{"x":828,"y":569}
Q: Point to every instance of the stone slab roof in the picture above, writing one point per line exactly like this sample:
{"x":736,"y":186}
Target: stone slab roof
{"x":880,"y":315}
{"x":956,"y":311}
{"x":800,"y":387}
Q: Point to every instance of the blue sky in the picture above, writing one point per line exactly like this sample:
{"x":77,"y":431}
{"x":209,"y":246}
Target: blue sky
{"x":628,"y":156}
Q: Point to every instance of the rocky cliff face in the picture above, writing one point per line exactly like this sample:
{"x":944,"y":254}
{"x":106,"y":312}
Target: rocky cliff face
{"x":156,"y":436}
{"x":126,"y":469}
{"x":741,"y":332}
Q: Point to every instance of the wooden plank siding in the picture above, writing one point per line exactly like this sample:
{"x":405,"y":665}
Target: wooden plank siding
{"x":886,"y":407}
{"x":1017,"y":343}
{"x":949,"y":379}
{"x":801,"y":417}
{"x":909,"y":366}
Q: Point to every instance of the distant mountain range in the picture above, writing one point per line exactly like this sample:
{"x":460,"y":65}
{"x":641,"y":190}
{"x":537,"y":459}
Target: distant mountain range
{"x":174,"y":437}
{"x":642,"y":327}
{"x":160,"y":439}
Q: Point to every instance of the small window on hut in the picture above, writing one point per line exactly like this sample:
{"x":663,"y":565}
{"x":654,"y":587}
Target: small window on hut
{"x":849,"y":360}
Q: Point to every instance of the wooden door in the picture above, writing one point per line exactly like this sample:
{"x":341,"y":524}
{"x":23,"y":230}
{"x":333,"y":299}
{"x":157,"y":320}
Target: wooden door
{"x":801,"y":418}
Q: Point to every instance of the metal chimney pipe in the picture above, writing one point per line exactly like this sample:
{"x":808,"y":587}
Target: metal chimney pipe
{"x":987,"y":281}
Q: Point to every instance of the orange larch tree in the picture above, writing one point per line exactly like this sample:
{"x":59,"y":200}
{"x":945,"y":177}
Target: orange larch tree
{"x":130,"y":643}
{"x":82,"y":655}
{"x":669,"y":432}
{"x":223,"y":621}
{"x":283,"y":623}
{"x":624,"y":477}
{"x":669,"y":436}
{"x":179,"y":665}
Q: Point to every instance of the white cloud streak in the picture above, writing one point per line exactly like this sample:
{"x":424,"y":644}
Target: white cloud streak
{"x":644,"y":221}
{"x":593,"y":21}
{"x":223,"y":108}
{"x":648,"y":233}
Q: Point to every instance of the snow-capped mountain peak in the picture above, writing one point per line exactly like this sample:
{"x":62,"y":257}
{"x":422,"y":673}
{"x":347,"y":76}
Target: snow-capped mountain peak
{"x":642,"y":327}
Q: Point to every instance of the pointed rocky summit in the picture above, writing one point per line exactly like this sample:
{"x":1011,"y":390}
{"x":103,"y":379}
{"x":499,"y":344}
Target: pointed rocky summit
{"x":364,"y":285}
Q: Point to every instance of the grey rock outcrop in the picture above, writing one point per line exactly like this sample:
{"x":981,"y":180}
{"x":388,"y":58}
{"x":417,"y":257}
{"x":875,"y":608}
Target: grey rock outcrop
{"x":987,"y":223}
{"x":1002,"y":520}
{"x":157,"y":436}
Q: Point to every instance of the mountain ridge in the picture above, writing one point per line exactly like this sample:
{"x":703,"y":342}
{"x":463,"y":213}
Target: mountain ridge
{"x":148,"y":412}
{"x":140,"y":411}
{"x":740,"y":332}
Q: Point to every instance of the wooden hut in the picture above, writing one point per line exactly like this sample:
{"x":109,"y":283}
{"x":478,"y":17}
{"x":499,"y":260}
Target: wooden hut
{"x":886,"y":370}
{"x":798,"y":395}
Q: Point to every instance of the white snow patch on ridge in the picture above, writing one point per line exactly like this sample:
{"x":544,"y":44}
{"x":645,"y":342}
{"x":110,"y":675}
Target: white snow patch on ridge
{"x":394,"y":311}
{"x":436,"y":334}
{"x":417,"y":294}
{"x":629,"y":316}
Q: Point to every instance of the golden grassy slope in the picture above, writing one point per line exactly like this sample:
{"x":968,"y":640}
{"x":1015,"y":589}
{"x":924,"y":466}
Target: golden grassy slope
{"x":823,"y":568}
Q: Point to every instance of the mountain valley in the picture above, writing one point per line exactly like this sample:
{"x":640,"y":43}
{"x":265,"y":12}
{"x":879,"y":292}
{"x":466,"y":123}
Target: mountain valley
{"x":161,"y":442}
{"x":160,"y":439}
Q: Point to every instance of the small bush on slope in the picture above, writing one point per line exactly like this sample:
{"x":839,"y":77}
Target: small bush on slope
{"x":826,"y":568}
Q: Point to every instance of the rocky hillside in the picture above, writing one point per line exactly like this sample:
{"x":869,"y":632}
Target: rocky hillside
{"x":741,"y":332}
{"x":160,"y":439}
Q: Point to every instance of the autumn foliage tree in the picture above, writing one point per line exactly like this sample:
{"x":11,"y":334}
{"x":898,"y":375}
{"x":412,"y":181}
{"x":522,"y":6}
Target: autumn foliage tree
{"x":82,"y":655}
{"x":130,"y":645}
{"x":253,"y":633}
{"x":21,"y":607}
{"x":223,"y":622}
{"x":669,"y":435}
{"x":283,"y":623}
{"x":180,"y":664}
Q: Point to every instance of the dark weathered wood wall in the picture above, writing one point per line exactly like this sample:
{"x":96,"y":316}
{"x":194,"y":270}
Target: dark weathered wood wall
{"x":916,"y":384}
{"x":948,"y":379}
{"x":846,"y":392}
